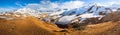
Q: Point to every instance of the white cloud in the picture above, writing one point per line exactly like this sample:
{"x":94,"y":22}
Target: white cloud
{"x":54,"y":6}
{"x":7,"y":9}
{"x":109,"y":4}
{"x":18,"y":4}
{"x":72,"y":4}
{"x":47,"y":5}
{"x":43,"y":6}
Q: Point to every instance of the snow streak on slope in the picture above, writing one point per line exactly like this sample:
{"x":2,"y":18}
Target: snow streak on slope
{"x":88,"y":15}
{"x":66,"y":19}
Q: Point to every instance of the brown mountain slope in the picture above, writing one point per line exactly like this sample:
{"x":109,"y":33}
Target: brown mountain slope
{"x":28,"y":26}
{"x":33,"y":26}
{"x":107,"y":28}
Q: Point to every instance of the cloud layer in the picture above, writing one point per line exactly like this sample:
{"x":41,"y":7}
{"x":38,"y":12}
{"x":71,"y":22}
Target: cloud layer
{"x":7,"y":9}
{"x":47,"y":5}
{"x":55,"y":6}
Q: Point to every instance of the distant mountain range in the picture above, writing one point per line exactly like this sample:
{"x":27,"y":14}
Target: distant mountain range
{"x":64,"y":15}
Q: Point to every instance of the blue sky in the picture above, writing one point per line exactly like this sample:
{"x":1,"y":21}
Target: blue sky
{"x":14,"y":3}
{"x":17,"y":4}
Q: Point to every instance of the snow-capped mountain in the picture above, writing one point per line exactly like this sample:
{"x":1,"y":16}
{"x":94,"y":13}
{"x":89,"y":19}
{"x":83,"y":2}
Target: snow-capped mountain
{"x":65,"y":16}
{"x":92,"y":12}
{"x":70,"y":12}
{"x":65,"y":19}
{"x":28,"y":11}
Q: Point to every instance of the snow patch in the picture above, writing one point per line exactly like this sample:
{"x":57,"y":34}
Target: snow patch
{"x":66,"y":19}
{"x":88,"y":15}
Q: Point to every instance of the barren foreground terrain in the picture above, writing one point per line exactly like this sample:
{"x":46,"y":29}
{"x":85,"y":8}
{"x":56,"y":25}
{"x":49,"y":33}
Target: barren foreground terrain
{"x":33,"y":26}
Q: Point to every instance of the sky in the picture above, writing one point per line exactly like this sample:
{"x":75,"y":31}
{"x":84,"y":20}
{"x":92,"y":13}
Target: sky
{"x":6,"y":5}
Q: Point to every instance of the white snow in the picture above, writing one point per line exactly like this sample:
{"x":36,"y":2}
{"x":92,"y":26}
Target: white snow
{"x":66,"y":19}
{"x":57,"y":13}
{"x":88,"y":15}
{"x":28,"y":11}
